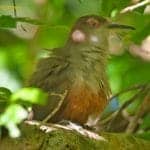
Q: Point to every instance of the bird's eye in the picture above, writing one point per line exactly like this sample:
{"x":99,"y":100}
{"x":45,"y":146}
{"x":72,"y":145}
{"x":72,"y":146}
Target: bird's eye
{"x":93,"y":22}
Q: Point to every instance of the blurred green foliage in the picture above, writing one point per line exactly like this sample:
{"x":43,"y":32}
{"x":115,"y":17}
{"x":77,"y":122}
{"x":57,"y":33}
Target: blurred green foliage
{"x":46,"y":24}
{"x":125,"y":71}
{"x":12,"y":106}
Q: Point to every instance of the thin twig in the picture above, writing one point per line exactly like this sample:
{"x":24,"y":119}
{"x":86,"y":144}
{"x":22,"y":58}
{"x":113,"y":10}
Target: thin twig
{"x":137,"y":87}
{"x":126,"y":104}
{"x":132,"y":7}
{"x":14,"y":4}
{"x":15,"y":15}
{"x":142,"y":110}
{"x":114,"y":115}
{"x":107,"y":119}
{"x":62,"y":97}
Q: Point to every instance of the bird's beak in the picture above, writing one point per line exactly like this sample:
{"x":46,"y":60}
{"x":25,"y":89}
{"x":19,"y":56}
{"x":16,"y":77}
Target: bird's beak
{"x":120,"y":26}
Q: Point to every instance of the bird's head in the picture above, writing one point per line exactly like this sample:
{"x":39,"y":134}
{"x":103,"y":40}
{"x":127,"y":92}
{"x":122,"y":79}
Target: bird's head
{"x":93,"y":30}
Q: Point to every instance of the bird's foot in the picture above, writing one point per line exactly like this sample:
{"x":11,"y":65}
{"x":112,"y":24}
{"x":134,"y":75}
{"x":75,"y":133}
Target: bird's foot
{"x":84,"y":131}
{"x":88,"y":127}
{"x":64,"y":122}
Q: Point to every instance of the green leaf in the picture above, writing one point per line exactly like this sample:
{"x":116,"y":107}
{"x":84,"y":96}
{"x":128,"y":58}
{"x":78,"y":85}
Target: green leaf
{"x":4,"y":98}
{"x":80,"y":1}
{"x":110,"y":5}
{"x":13,"y":130}
{"x":52,"y":37}
{"x":14,"y":113}
{"x":4,"y":93}
{"x":144,"y":135}
{"x":12,"y":116}
{"x":11,"y":22}
{"x":124,"y":72}
{"x":85,"y":7}
{"x":29,"y":95}
{"x":7,"y":22}
{"x":146,"y":122}
{"x":29,"y":20}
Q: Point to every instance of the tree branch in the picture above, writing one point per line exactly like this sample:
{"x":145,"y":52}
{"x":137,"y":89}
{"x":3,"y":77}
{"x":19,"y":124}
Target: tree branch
{"x":142,"y":110}
{"x":131,"y":8}
{"x":33,"y":139}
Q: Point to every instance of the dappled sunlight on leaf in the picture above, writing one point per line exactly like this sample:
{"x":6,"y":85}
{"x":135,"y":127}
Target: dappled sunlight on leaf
{"x":12,"y":116}
{"x":29,"y":95}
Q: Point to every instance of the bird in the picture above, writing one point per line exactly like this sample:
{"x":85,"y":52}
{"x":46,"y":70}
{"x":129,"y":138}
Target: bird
{"x":79,"y":67}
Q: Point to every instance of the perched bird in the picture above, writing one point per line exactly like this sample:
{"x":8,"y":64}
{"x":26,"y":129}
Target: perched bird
{"x":78,"y":68}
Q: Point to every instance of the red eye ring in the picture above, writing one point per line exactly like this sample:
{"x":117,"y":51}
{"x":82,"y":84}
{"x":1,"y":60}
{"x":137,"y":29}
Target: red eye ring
{"x":92,"y":22}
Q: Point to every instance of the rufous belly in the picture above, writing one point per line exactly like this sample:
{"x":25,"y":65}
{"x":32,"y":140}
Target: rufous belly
{"x":82,"y":103}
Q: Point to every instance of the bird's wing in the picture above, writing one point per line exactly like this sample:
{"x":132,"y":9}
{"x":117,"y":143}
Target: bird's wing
{"x":49,"y":73}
